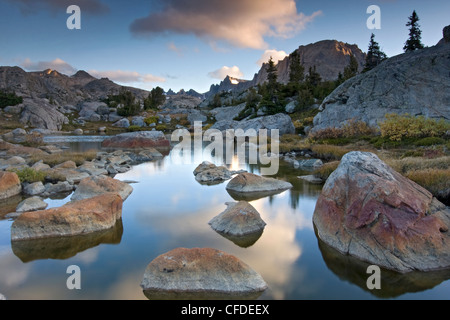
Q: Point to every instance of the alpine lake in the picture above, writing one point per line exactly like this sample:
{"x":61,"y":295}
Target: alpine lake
{"x":169,"y":209}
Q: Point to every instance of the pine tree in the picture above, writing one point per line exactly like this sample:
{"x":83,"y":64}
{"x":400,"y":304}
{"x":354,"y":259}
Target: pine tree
{"x":297,"y":71}
{"x":415,"y":34}
{"x":272,"y":76}
{"x":352,"y":69}
{"x":313,"y":78}
{"x":374,"y":55}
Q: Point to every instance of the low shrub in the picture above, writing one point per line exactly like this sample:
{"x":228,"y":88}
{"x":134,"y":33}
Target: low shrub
{"x":326,"y":170}
{"x":436,"y":181}
{"x":78,"y":157}
{"x":429,"y":141}
{"x":329,"y":152}
{"x":30,"y":175}
{"x":397,"y":127}
{"x":151,"y":120}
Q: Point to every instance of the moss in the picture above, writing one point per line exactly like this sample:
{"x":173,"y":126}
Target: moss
{"x":78,"y":157}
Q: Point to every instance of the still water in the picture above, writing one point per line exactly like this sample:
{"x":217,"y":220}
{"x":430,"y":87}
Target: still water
{"x":169,"y":209}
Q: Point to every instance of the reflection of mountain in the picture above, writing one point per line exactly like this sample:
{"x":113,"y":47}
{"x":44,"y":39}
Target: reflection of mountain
{"x":393,"y":284}
{"x":65,"y":247}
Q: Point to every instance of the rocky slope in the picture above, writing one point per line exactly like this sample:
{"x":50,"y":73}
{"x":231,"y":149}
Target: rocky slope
{"x":59,"y":88}
{"x":416,"y":83}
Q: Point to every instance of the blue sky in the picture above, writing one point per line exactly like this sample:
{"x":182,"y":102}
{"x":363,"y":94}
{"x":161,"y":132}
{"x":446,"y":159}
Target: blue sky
{"x":179,"y":44}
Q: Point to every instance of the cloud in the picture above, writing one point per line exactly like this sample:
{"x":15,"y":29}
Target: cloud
{"x":241,"y":23}
{"x":86,"y":6}
{"x":57,"y":64}
{"x":126,"y":76}
{"x":225,"y":71}
{"x":174,"y":48}
{"x":276,"y":56}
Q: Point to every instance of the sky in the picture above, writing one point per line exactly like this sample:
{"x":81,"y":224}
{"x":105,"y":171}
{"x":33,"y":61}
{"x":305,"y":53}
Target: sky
{"x":180,"y":44}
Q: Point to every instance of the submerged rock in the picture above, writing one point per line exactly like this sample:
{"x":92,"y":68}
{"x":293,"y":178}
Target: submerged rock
{"x":75,"y":218}
{"x":369,"y":211}
{"x":239,"y":219}
{"x":201,"y":271}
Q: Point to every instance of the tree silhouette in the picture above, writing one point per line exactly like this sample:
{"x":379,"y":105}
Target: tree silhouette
{"x":415,"y":34}
{"x":374,"y":55}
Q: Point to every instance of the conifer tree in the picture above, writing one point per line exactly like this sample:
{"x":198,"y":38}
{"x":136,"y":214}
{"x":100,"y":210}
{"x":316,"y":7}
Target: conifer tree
{"x":352,"y":69}
{"x":297,"y":71}
{"x":415,"y":34}
{"x":374,"y":55}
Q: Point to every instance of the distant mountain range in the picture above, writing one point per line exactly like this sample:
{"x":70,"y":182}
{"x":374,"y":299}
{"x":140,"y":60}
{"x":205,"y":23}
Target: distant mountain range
{"x":61,"y":89}
{"x":329,"y":56}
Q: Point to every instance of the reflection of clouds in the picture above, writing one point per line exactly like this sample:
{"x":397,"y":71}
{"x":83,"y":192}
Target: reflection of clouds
{"x":273,"y":255}
{"x":88,"y":257}
{"x":12,"y":271}
{"x":127,"y":287}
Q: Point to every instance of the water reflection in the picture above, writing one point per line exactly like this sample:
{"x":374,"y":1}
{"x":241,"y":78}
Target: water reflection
{"x":65,"y":247}
{"x":244,"y":241}
{"x":393,"y":284}
{"x":165,"y":295}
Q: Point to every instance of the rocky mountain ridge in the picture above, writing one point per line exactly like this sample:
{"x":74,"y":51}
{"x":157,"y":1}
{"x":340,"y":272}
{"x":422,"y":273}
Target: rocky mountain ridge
{"x":330,"y":57}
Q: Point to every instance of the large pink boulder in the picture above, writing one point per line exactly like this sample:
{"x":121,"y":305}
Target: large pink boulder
{"x":368,"y":210}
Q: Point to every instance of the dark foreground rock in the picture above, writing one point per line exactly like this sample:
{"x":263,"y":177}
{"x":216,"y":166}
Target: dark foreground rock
{"x":210,"y":271}
{"x":371,"y":212}
{"x":239,"y":219}
{"x":75,"y":218}
{"x":137,"y":140}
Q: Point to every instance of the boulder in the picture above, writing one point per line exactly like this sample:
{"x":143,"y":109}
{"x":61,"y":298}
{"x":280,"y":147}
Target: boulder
{"x":31,"y":204}
{"x":57,"y":188}
{"x":137,"y":140}
{"x":369,"y":211}
{"x":227,"y":113}
{"x":122,"y":123}
{"x":42,"y":115}
{"x":415,"y":83}
{"x":239,"y":219}
{"x":252,"y":183}
{"x":281,"y":122}
{"x":34,"y":189}
{"x":10,"y":185}
{"x":201,"y":270}
{"x":75,"y":218}
{"x":97,"y":185}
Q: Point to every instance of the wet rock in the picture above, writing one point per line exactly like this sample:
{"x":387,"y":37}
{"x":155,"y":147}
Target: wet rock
{"x":239,"y":219}
{"x":57,"y":188}
{"x":98,"y":185}
{"x":249,"y":182}
{"x":31,"y":204}
{"x":201,"y":271}
{"x":369,"y":211}
{"x":9,"y":185}
{"x":34,"y":189}
{"x":75,"y":218}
